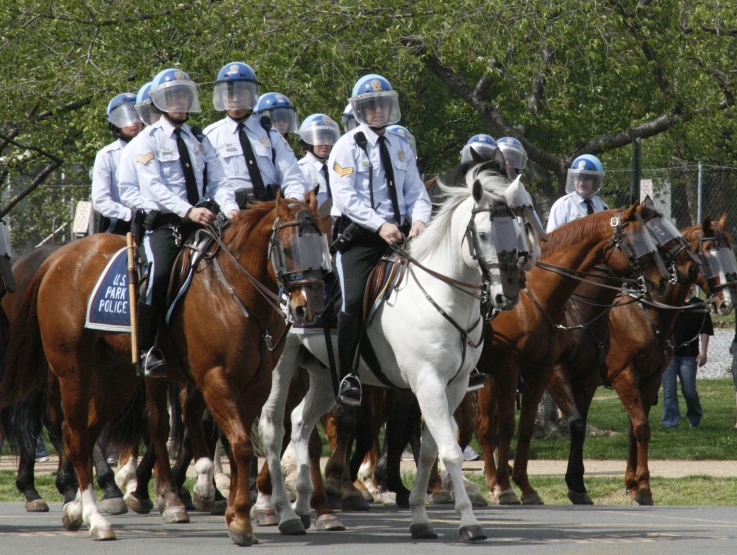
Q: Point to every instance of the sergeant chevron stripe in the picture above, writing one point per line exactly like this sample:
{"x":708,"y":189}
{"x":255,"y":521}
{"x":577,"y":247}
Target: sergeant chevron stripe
{"x":145,"y":158}
{"x":341,"y":171}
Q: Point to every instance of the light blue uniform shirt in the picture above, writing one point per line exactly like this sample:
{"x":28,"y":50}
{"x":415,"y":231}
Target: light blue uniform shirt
{"x":105,"y":192}
{"x":151,"y":163}
{"x":284,"y":170}
{"x":349,"y":181}
{"x":571,"y":207}
{"x":311,"y":167}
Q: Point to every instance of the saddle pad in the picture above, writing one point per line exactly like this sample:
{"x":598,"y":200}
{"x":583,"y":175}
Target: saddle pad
{"x":108,"y":308}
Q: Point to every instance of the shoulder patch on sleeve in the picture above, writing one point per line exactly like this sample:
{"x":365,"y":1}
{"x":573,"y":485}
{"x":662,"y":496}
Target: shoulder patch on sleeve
{"x":145,"y":158}
{"x":341,"y":171}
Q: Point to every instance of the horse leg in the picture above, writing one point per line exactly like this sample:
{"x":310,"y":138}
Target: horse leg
{"x":353,"y":499}
{"x":112,"y":502}
{"x":125,"y":476}
{"x":340,"y":425}
{"x":203,"y":492}
{"x":138,"y":500}
{"x":626,"y":386}
{"x":308,"y":447}
{"x":437,"y":402}
{"x":271,"y":428}
{"x":404,"y":417}
{"x":171,"y":507}
{"x":25,"y":480}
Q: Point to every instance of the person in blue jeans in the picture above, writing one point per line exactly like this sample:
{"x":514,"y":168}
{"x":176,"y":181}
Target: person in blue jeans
{"x":692,"y":329}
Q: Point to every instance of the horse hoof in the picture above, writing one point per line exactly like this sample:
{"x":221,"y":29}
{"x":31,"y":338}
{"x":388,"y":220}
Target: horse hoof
{"x":264,"y":517}
{"x":306,"y":520}
{"x":422,"y":532}
{"x":354,"y":503}
{"x":440,"y":497}
{"x":506,"y":497}
{"x":37,"y":506}
{"x":532,"y":499}
{"x":471,"y":534}
{"x":140,"y":506}
{"x":113,"y":506}
{"x":241,"y":539}
{"x":292,"y":527}
{"x":102,"y":534}
{"x":579,"y":498}
{"x":387,"y":498}
{"x":186,"y":498}
{"x":218,"y":507}
{"x":367,"y":496}
{"x":642,"y":499}
{"x":202,"y":504}
{"x":329,"y":523}
{"x":478,"y":500}
{"x":69,"y":522}
{"x":176,"y":515}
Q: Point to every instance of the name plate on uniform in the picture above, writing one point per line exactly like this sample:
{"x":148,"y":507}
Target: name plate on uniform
{"x":109,"y":306}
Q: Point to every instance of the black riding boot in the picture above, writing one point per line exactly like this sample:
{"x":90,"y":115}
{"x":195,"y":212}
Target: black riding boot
{"x":350,"y":329}
{"x":152,"y":363}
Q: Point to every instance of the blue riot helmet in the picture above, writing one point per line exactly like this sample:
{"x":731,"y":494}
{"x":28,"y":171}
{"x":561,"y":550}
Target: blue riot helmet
{"x":349,"y":122}
{"x":585,"y":176}
{"x":319,"y":130}
{"x":404,"y":132}
{"x":236,"y":88}
{"x":374,"y":102}
{"x":173,"y":91}
{"x":145,"y":109}
{"x":280,"y":111}
{"x":483,"y":145}
{"x":121,"y":112}
{"x":514,"y":153}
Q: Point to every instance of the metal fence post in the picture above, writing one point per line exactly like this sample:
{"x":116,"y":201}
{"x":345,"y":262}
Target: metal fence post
{"x":699,"y":216}
{"x":636,"y":170}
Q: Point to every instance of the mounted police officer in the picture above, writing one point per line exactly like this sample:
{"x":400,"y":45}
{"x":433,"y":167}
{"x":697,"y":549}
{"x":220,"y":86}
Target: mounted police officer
{"x":111,"y":215}
{"x":169,"y":164}
{"x":483,"y":145}
{"x":279,"y":110}
{"x":514,"y":153}
{"x":257,"y":160}
{"x":349,"y":122}
{"x":585,"y":177}
{"x":317,"y":135}
{"x":376,"y":189}
{"x":145,"y":110}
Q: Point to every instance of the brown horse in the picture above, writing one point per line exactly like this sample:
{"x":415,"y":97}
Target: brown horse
{"x":520,"y":343}
{"x":640,"y":351}
{"x":221,"y":344}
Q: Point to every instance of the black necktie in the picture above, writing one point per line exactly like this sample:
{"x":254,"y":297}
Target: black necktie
{"x":386,"y":163}
{"x":327,"y":179}
{"x":259,"y":191}
{"x":193,"y":195}
{"x":589,"y":206}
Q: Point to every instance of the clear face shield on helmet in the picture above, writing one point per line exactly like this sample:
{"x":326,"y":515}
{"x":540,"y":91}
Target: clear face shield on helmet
{"x":234,"y":95}
{"x":146,"y":112}
{"x":124,"y":115}
{"x":176,"y":96}
{"x":377,"y":109}
{"x":283,"y":120}
{"x":515,"y":156}
{"x":320,"y":135}
{"x":484,"y":150}
{"x":584,"y":182}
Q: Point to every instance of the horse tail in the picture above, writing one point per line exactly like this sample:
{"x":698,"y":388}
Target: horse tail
{"x":126,"y":430}
{"x":24,"y":374}
{"x":177,"y":425}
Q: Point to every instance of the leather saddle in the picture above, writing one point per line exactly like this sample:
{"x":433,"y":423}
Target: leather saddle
{"x":383,"y":279}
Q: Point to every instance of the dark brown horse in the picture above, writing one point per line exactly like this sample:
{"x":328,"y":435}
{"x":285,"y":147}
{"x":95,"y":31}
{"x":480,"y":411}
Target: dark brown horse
{"x":221,"y":343}
{"x":640,"y":351}
{"x":520,"y":343}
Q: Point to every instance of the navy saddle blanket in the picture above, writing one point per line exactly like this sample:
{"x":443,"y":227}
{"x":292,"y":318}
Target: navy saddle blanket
{"x":109,"y":306}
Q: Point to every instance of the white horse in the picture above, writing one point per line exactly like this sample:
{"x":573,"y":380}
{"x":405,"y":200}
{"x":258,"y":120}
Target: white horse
{"x":417,"y":347}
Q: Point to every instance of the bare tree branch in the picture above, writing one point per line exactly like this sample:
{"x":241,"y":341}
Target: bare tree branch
{"x":40,"y":178}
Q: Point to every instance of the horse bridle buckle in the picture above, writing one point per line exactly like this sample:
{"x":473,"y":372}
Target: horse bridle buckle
{"x":614,"y":222}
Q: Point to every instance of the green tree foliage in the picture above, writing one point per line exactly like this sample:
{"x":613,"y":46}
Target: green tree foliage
{"x":565,"y":76}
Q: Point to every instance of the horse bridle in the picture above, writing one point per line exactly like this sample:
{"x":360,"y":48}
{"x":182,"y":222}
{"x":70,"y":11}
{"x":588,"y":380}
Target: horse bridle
{"x":720,"y":242}
{"x":290,"y":280}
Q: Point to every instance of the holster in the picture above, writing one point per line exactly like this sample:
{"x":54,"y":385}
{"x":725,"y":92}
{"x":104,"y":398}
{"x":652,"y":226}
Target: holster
{"x":137,"y":226}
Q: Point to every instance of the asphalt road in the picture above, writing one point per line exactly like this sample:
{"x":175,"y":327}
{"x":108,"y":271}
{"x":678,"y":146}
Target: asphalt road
{"x":540,"y":530}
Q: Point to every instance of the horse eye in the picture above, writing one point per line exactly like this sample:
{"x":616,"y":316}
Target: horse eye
{"x":482,"y":235}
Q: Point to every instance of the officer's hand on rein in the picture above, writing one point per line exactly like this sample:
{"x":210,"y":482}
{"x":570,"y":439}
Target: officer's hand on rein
{"x":417,"y":228}
{"x":390,"y":233}
{"x":200,"y":216}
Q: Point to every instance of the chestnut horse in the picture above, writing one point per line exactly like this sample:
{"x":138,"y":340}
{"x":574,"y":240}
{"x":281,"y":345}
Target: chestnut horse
{"x":520,"y":343}
{"x":640,"y":351}
{"x":228,"y":357}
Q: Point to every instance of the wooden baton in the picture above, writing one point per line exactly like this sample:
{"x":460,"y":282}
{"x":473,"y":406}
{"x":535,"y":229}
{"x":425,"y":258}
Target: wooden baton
{"x":132,"y":288}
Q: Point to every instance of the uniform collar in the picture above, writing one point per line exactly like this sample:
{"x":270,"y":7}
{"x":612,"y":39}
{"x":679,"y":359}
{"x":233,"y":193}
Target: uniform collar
{"x":371,"y":135}
{"x":315,"y":161}
{"x":169,"y":127}
{"x":232,"y":125}
{"x":580,"y":199}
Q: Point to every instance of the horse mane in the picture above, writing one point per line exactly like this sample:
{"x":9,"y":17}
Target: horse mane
{"x":436,"y":238}
{"x":576,"y":231}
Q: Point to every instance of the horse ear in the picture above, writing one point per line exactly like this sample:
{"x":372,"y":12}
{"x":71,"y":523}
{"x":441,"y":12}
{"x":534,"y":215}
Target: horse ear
{"x":629,"y":214}
{"x":478,"y":191}
{"x":722,"y":222}
{"x":706,"y":227}
{"x":648,"y":202}
{"x":281,"y":207}
{"x":476,"y":157}
{"x":311,"y":198}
